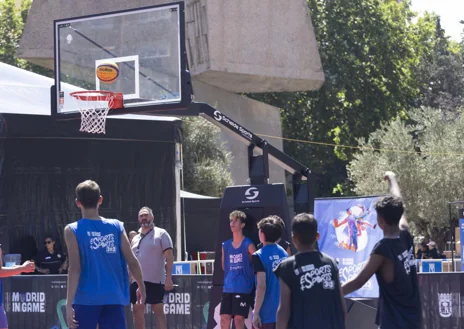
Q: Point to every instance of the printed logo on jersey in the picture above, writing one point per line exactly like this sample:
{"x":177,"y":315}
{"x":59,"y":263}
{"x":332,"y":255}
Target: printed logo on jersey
{"x":276,"y":260}
{"x":236,"y":261}
{"x":98,"y":241}
{"x":310,"y":276}
{"x":445,"y":305}
{"x":407,"y":257}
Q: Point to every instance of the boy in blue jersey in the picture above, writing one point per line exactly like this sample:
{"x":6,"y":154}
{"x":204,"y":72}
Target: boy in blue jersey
{"x":238,"y":274}
{"x":99,"y":253}
{"x":27,"y":267}
{"x":265,"y":261}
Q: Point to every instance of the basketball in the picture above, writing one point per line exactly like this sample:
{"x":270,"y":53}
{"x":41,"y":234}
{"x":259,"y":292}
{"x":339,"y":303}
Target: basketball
{"x":107,"y":72}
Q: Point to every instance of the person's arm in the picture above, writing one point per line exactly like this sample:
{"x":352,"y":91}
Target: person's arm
{"x":373,"y":264}
{"x":73,"y":275}
{"x":343,"y":300}
{"x":289,"y":251}
{"x":260,"y":270}
{"x":74,"y":265}
{"x":5,"y":272}
{"x":222,"y":258}
{"x":169,"y":285}
{"x":251,"y":250}
{"x":288,"y":248}
{"x":166,"y":244}
{"x":134,"y":266}
{"x":393,"y":186}
{"x":260,"y":293}
{"x":26,"y":267}
{"x":64,"y":266}
{"x":394,"y":190}
{"x":38,"y":260}
{"x":283,"y":312}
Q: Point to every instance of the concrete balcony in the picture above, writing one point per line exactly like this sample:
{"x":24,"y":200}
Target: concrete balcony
{"x":238,"y":46}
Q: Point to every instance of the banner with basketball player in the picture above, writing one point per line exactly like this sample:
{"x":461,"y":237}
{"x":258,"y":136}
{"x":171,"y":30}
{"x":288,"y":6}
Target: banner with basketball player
{"x":348,"y":232}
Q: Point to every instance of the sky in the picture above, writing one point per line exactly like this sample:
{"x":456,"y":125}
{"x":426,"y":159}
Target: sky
{"x":450,"y":11}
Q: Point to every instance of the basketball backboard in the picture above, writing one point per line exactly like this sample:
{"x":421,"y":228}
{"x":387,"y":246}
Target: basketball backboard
{"x":148,"y":46}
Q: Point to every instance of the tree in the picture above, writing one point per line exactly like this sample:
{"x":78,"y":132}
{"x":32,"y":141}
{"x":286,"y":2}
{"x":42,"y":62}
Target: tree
{"x":370,"y":50}
{"x":10,"y":32}
{"x":443,"y":73}
{"x":12,"y":21}
{"x":427,"y":154}
{"x":205,"y":160}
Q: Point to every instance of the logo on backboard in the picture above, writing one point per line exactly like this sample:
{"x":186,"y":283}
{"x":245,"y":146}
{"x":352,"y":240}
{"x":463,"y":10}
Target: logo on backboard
{"x":445,"y":305}
{"x":252,"y":193}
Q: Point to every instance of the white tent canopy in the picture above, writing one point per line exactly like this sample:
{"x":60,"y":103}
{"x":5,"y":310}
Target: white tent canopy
{"x":188,"y":195}
{"x":24,"y":92}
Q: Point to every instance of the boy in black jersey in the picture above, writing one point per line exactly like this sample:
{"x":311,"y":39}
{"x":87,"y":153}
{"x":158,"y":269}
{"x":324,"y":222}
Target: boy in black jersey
{"x":310,"y":293}
{"x":392,"y":261}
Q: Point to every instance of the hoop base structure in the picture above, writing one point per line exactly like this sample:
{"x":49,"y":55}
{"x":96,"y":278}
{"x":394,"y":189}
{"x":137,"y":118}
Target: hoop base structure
{"x":94,"y":106}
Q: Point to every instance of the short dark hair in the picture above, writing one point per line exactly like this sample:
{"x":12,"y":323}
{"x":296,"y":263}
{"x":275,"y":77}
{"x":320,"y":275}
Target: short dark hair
{"x":390,"y":208}
{"x":88,"y":193}
{"x":280,"y":220}
{"x":271,"y":227}
{"x":150,"y":211}
{"x":238,"y":214}
{"x":304,"y":228}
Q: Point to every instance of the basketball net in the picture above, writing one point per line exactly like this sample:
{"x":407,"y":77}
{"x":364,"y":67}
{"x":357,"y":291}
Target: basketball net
{"x":94,"y":106}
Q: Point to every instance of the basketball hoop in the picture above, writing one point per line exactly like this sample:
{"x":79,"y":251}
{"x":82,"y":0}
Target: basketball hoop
{"x":94,"y":106}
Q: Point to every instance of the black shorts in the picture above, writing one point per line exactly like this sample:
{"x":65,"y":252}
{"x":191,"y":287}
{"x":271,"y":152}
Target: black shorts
{"x":155,"y":292}
{"x":235,"y":304}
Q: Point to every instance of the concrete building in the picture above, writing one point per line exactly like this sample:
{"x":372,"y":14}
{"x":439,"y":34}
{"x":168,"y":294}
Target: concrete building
{"x":233,"y":47}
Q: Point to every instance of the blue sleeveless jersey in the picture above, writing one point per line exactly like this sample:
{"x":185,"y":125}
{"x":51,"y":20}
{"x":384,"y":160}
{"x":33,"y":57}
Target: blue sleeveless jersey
{"x":104,"y":278}
{"x":238,"y":270}
{"x":1,"y":292}
{"x":271,"y":256}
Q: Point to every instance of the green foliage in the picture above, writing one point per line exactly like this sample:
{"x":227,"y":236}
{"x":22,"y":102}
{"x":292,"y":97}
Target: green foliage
{"x":206,"y":161}
{"x":11,"y":27}
{"x":442,"y":71}
{"x":369,"y":51}
{"x":12,"y":21}
{"x":379,"y":61}
{"x":427,"y":154}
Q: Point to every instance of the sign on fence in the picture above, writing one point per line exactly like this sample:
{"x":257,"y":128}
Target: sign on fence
{"x":38,"y":302}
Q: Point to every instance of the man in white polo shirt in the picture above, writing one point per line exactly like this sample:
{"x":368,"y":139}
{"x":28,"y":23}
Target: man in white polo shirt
{"x":153,"y":248}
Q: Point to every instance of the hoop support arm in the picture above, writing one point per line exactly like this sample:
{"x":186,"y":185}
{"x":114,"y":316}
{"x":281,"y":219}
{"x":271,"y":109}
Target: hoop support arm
{"x":248,"y":138}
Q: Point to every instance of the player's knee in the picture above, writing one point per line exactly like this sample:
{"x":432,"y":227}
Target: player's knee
{"x":225,"y":320}
{"x":138,"y":309}
{"x":158,"y":309}
{"x":239,"y":321}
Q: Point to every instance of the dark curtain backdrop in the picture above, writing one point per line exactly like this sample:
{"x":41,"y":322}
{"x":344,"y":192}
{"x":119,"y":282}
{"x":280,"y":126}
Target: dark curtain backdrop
{"x":201,"y":223}
{"x":42,"y":161}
